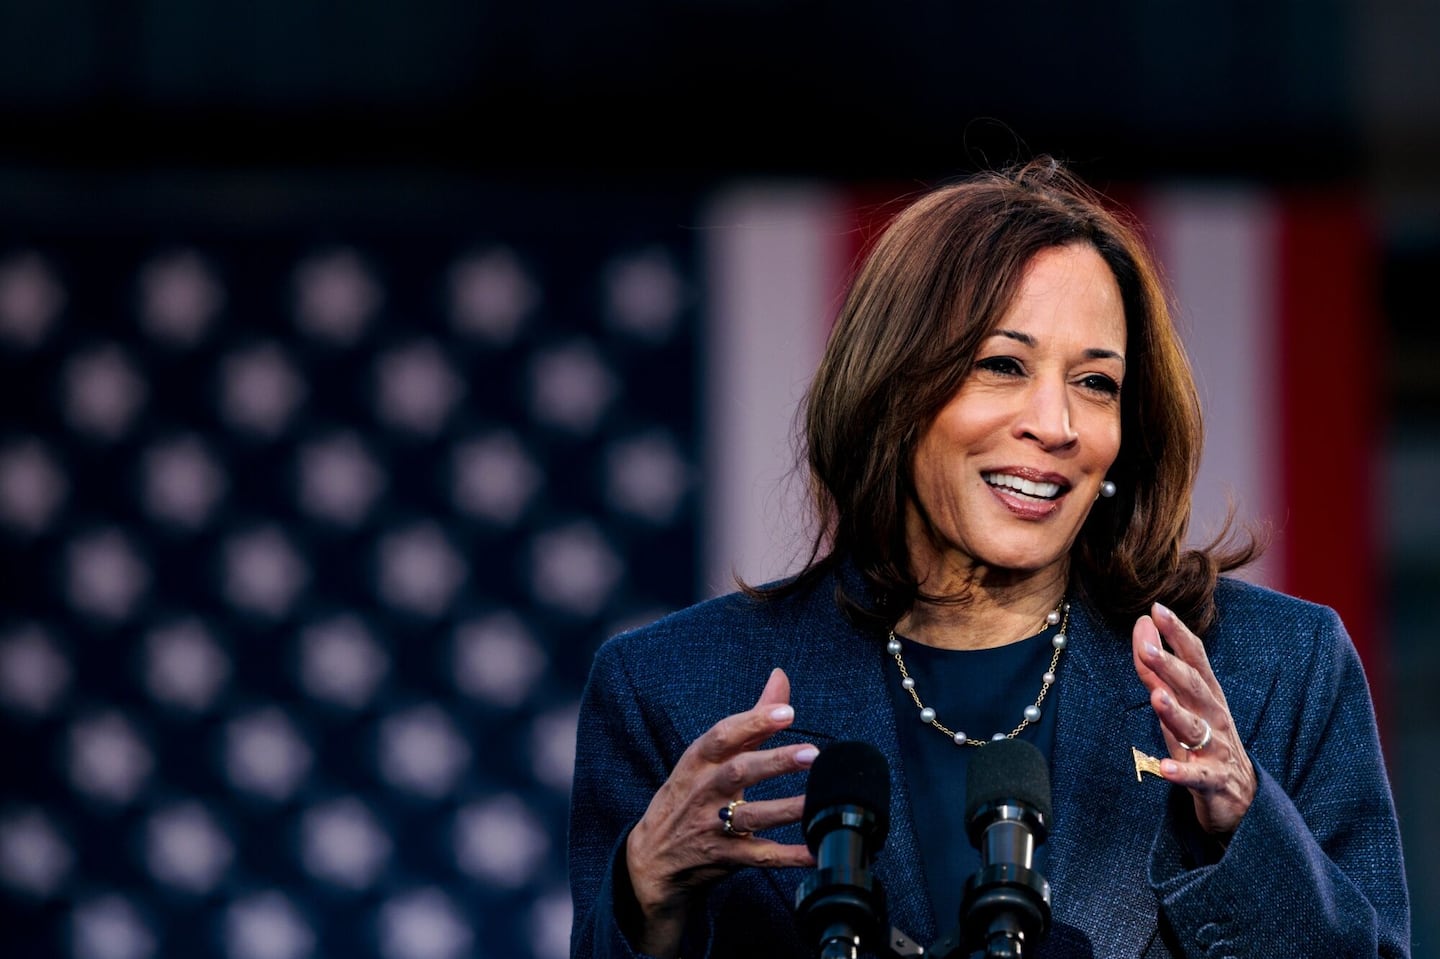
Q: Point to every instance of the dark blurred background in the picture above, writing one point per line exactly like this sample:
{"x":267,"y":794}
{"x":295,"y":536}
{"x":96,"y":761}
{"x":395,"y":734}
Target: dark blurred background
{"x":353,"y":387}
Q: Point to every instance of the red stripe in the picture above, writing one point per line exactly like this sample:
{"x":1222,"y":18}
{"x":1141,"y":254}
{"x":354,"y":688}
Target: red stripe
{"x":1330,"y":350}
{"x":871,"y":207}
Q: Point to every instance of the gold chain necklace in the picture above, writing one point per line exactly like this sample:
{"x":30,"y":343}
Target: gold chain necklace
{"x":1060,"y":614}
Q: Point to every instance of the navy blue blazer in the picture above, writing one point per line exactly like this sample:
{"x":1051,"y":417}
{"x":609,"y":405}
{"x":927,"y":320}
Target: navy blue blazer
{"x":1314,"y":869}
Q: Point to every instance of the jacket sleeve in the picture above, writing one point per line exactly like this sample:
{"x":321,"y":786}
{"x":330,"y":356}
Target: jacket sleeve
{"x":623,"y":754}
{"x":618,"y":767}
{"x":1315,"y":867}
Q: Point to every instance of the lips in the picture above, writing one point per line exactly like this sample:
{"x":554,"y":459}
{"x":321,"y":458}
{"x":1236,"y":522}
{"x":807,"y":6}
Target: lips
{"x":1045,"y":487}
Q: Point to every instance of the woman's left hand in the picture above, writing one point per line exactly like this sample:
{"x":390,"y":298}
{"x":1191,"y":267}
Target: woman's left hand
{"x":1186,"y":696}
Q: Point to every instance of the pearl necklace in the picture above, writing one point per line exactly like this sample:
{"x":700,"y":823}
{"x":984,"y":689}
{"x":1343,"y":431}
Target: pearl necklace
{"x":1060,"y":614}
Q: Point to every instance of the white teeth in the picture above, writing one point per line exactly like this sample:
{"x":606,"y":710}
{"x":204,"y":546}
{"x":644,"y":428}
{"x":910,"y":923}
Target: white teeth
{"x":1019,"y":485}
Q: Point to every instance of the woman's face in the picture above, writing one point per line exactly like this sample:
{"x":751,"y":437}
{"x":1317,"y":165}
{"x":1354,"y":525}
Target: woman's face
{"x":1009,"y":469}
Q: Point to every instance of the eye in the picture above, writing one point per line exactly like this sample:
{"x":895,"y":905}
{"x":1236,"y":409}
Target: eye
{"x":1003,"y":365}
{"x":1100,"y":383}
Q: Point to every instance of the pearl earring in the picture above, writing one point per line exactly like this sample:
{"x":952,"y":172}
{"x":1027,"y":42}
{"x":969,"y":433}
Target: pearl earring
{"x":1107,"y":489}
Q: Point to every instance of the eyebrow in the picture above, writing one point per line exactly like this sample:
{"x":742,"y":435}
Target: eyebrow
{"x":1093,"y":353}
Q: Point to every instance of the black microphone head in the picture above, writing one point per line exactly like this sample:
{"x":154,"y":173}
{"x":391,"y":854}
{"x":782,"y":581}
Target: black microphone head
{"x":849,"y":773}
{"x":1008,"y":770}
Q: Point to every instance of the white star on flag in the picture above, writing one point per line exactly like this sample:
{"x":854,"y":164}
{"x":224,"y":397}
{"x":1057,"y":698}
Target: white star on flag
{"x":32,"y":486}
{"x":419,"y":570}
{"x":552,"y":746}
{"x":421,"y":752}
{"x":179,"y":297}
{"x":263,"y":572}
{"x":497,"y":659}
{"x":182,"y":481}
{"x":423,"y":924}
{"x":30,"y":300}
{"x":335,"y":296}
{"x":646,"y":477}
{"x":490,"y":295}
{"x":184,"y":667}
{"x":186,"y":849}
{"x":105,"y":577}
{"x":341,"y":843}
{"x":573,"y":568}
{"x":110,"y":927}
{"x":417,"y":389}
{"x":339,"y":479}
{"x":266,"y":925}
{"x":571,"y":387}
{"x":260,"y":390}
{"x":108,"y":760}
{"x":102,"y":392}
{"x":34,"y":674}
{"x":34,"y":858}
{"x":494,"y":477}
{"x":644,"y":294}
{"x":500,"y":841}
{"x":340,"y":662}
{"x":265,"y":755}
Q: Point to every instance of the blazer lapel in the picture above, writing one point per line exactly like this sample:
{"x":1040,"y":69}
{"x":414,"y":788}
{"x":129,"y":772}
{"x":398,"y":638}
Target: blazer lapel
{"x":1105,"y":821}
{"x":838,"y":693}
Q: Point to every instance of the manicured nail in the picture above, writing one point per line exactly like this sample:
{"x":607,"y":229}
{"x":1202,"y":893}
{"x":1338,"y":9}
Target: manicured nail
{"x":1151,"y":650}
{"x":1164,"y":612}
{"x":1165,"y":698}
{"x":1169,"y":767}
{"x":782,"y":714}
{"x":807,"y":755}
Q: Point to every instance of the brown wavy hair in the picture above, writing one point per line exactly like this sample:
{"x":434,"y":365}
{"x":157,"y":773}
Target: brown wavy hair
{"x":934,"y":285}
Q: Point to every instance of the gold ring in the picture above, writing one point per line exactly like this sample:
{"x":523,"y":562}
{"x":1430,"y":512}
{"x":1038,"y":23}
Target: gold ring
{"x":1204,"y":740}
{"x":727,"y":819}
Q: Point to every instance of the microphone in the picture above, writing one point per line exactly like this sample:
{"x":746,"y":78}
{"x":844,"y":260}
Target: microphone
{"x":840,"y":905}
{"x":1006,"y":905}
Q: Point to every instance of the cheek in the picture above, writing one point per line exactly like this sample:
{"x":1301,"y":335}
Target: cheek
{"x":1104,"y":432}
{"x":1111,"y":445}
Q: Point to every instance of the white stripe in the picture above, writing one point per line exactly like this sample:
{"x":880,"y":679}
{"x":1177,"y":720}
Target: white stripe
{"x":1218,"y":248}
{"x":772,"y":258}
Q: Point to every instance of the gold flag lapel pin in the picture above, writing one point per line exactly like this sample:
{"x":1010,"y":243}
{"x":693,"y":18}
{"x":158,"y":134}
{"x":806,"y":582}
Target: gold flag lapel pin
{"x":1145,"y":764}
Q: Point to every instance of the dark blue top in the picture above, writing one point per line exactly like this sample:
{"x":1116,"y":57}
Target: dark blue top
{"x":980,"y":692}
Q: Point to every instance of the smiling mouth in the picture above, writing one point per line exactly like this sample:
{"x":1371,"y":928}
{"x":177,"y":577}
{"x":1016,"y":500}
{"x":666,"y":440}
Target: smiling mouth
{"x":1023,"y":487}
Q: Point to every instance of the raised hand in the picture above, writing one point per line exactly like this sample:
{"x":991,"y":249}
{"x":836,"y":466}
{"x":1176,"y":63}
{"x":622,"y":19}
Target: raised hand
{"x":681,"y":843}
{"x":1206,"y":755}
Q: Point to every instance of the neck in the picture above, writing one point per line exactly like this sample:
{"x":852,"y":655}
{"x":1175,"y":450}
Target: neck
{"x":985,"y":614}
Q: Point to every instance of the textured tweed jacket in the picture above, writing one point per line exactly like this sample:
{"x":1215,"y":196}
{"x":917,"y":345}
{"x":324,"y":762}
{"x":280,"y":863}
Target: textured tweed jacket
{"x":1314,"y":870}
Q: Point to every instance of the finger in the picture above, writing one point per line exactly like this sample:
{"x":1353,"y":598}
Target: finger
{"x":777,"y":689}
{"x":741,"y":731}
{"x":1184,"y":643}
{"x":1180,"y":724}
{"x":765,"y":853}
{"x":766,"y":814}
{"x":1199,"y":778}
{"x":1144,"y":635}
{"x":1170,"y":672}
{"x":734,"y":775}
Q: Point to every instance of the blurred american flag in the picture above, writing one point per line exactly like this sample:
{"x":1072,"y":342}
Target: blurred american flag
{"x":306,"y":546}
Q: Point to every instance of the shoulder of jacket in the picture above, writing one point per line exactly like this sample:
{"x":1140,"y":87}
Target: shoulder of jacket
{"x":1236,"y":597}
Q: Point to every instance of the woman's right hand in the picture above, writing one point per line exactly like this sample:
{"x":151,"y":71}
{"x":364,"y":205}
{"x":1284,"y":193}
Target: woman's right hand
{"x":680,"y":844}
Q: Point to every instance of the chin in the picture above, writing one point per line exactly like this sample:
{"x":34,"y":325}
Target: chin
{"x":1024,"y":561}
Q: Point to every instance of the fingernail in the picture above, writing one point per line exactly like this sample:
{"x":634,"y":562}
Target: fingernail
{"x":807,"y":755}
{"x":782,"y":714}
{"x":1164,"y":611}
{"x":1165,"y":698}
{"x":1169,"y":767}
{"x":1152,"y":650}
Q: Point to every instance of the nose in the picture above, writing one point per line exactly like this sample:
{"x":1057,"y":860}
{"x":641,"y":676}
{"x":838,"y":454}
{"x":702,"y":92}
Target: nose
{"x":1045,"y":415}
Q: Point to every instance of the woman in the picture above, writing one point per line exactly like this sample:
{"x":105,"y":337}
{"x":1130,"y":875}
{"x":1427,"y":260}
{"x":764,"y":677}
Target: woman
{"x":1002,"y":438}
